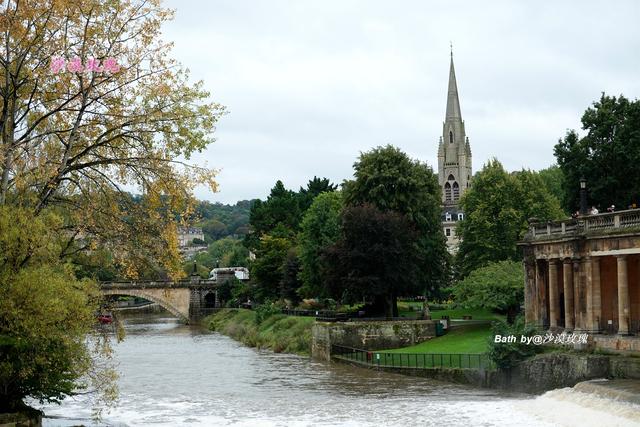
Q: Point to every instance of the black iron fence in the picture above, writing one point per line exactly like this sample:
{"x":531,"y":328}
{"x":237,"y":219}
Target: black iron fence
{"x":389,"y":359}
{"x":336,"y":316}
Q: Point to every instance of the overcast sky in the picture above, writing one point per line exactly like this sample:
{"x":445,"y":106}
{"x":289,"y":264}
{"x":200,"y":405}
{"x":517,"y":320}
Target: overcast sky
{"x":311,"y":84}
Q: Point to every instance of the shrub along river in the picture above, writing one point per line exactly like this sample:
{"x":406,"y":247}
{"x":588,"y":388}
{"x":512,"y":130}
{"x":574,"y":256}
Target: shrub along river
{"x":178,"y":375}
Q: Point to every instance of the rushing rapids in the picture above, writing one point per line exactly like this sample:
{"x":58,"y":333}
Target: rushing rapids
{"x":176,"y":375}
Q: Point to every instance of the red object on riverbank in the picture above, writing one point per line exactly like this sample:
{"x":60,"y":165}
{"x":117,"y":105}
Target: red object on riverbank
{"x":105,"y":318}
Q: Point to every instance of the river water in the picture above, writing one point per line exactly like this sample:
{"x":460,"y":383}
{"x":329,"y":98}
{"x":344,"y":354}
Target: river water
{"x":177,"y":375}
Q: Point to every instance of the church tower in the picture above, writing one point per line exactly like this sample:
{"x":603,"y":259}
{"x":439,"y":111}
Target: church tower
{"x":454,"y":162}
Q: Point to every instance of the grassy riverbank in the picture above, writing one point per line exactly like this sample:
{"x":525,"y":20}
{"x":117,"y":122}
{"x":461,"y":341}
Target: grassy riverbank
{"x":277,"y":332}
{"x":465,"y":339}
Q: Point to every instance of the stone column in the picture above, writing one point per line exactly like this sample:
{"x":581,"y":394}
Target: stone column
{"x":595,"y":292}
{"x":554,"y":302}
{"x":530,"y":294}
{"x":540,"y":304}
{"x":623,"y":296}
{"x":578,"y":289}
{"x":567,"y":278}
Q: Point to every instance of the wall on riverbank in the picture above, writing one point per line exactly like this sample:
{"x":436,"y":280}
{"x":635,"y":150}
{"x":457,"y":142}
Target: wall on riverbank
{"x":536,"y":375}
{"x":375,"y":335}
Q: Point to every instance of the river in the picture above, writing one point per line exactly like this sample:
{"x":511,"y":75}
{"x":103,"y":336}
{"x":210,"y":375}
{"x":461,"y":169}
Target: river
{"x":177,"y":375}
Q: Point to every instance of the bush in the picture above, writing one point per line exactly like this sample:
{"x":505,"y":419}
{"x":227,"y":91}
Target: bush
{"x":507,"y":355}
{"x":265,"y":311}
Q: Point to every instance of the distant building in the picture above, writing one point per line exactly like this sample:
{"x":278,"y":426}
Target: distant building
{"x":186,"y":236}
{"x":454,"y":163}
{"x":241,"y":273}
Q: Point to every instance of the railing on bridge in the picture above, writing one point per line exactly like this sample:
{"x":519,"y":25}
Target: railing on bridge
{"x":583,"y":224}
{"x":146,"y":284}
{"x":388,"y":359}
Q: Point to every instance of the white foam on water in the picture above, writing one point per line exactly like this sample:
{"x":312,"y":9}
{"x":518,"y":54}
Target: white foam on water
{"x":569,"y":407}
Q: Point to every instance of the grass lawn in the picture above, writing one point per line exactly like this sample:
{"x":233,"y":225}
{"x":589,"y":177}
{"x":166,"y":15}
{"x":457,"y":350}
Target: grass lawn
{"x":406,"y":309}
{"x":465,"y":339}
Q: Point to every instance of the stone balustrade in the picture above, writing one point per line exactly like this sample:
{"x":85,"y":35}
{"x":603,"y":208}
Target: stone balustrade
{"x":603,"y":222}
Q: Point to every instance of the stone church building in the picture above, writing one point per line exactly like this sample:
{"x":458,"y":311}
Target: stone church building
{"x":454,"y":163}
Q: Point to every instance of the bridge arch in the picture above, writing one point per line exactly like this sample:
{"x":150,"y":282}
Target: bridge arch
{"x":154,"y":296}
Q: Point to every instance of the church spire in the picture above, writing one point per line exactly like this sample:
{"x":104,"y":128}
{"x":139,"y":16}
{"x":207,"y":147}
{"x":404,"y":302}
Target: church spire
{"x":453,"y":104}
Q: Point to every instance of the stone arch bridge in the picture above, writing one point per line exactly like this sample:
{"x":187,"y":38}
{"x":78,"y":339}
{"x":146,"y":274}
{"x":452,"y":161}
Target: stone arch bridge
{"x":186,"y":299}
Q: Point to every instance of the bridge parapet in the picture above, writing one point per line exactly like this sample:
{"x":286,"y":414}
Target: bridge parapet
{"x":158,"y":284}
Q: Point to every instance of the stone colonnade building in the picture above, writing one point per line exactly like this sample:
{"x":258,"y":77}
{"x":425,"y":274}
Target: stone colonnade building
{"x":584,"y":275}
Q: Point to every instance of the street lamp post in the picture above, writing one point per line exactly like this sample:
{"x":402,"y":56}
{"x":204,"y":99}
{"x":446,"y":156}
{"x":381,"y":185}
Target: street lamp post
{"x":583,"y":196}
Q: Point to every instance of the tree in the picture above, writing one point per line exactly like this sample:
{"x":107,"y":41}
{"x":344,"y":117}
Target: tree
{"x":45,"y":317}
{"x":214,"y":229}
{"x":268,"y":268}
{"x":499,"y":286}
{"x":607,"y":156}
{"x":279,"y":215}
{"x":388,"y":179}
{"x":91,"y":104}
{"x":118,"y":113}
{"x":320,"y":228}
{"x":497,"y":209}
{"x":374,"y":259}
{"x":290,"y":282}
{"x":554,"y":181}
{"x":315,"y":187}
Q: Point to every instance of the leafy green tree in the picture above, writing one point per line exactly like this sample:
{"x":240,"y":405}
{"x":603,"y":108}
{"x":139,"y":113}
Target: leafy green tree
{"x":498,"y":286}
{"x":607,"y":156}
{"x":554,"y":181}
{"x":388,"y":179}
{"x":374,"y":259}
{"x":534,"y":198}
{"x":268,"y":268}
{"x":320,"y":228}
{"x":290,"y":282}
{"x":279,"y":216}
{"x":497,"y":209}
{"x":45,"y":317}
{"x":214,"y":229}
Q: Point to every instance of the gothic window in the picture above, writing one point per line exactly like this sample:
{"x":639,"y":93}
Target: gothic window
{"x":451,"y":178}
{"x":450,"y":137}
{"x":447,"y":192}
{"x":456,"y":191}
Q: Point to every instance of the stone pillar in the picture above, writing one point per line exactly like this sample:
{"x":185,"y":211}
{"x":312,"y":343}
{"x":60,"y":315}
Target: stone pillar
{"x":623,"y":296}
{"x":540,"y":304}
{"x":579,"y":299}
{"x":594,"y":302}
{"x":554,"y":301}
{"x":567,"y":276}
{"x":530,"y":294}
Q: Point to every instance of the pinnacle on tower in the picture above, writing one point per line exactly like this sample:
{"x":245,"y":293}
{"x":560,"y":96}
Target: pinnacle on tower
{"x":453,"y":104}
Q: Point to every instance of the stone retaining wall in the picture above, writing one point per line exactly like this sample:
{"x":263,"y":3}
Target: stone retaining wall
{"x":374,"y":335}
